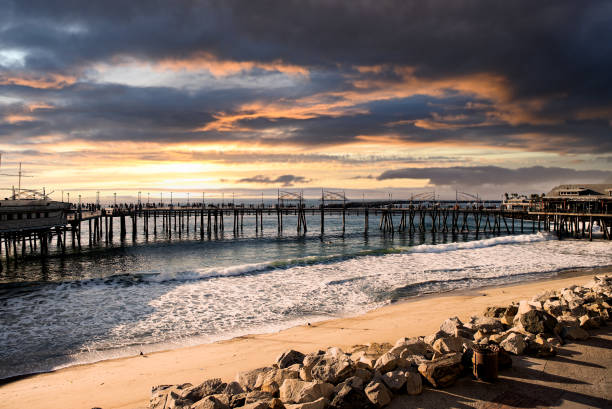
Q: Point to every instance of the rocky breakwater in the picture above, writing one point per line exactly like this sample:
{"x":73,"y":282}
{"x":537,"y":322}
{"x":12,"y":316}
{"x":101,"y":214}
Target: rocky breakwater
{"x":369,"y":376}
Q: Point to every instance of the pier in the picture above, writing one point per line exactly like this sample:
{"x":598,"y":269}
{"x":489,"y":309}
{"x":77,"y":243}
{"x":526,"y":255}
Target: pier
{"x":209,"y":221}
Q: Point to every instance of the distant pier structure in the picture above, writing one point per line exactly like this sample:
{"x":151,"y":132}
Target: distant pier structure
{"x":30,"y":227}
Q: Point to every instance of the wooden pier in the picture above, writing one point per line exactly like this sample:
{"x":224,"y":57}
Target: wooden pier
{"x":209,"y":221}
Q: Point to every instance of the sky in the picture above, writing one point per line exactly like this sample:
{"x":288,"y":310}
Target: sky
{"x":368,"y":97}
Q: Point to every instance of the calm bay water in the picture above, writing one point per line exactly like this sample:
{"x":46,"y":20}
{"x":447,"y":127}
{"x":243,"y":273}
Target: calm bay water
{"x":157,"y":293}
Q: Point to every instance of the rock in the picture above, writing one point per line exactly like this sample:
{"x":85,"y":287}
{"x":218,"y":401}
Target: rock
{"x":248,"y":378}
{"x":256,"y":396}
{"x":430,"y":339}
{"x":442,"y":372}
{"x":395,"y":380}
{"x":376,"y":349}
{"x":535,"y":321}
{"x":574,"y":333}
{"x":351,"y":398}
{"x":209,"y":402}
{"x":223,"y":398}
{"x":271,"y":380}
{"x":238,"y":400}
{"x":333,"y":369}
{"x":296,"y":391}
{"x":554,"y":308}
{"x":494,"y":312}
{"x":541,"y":348}
{"x":206,"y":388}
{"x":317,"y":404}
{"x":233,"y":388}
{"x":587,"y":322}
{"x":289,"y":358}
{"x":568,"y":321}
{"x":447,"y":345}
{"x":485,"y":324}
{"x":514,"y":343}
{"x":496,"y":338}
{"x":366,"y":362}
{"x":276,"y":404}
{"x":414,"y":383}
{"x":388,"y":362}
{"x":509,"y":315}
{"x":378,"y":393}
{"x":363,"y":374}
{"x":305,"y":374}
{"x":415,"y":346}
{"x":353,"y":382}
{"x":544,"y":296}
{"x":169,"y":396}
{"x":415,"y":360}
{"x":451,"y":325}
{"x":571,"y":297}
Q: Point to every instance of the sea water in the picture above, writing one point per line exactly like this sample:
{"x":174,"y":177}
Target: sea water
{"x":159,"y":292}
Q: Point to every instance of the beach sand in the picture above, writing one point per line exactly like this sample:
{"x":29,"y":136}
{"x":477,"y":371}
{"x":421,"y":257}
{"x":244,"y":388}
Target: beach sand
{"x":127,"y":382}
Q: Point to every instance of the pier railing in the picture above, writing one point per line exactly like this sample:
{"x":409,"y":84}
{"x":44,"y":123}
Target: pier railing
{"x":209,"y":220}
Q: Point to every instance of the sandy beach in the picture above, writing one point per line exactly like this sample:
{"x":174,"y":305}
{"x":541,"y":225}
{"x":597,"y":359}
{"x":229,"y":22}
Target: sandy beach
{"x":126,"y":382}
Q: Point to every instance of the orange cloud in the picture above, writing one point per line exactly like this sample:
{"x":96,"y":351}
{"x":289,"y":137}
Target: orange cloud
{"x":45,"y":81}
{"x":222,"y":68}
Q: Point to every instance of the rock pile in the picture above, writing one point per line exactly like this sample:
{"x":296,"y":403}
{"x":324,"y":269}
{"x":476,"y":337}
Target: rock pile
{"x":368,"y":376}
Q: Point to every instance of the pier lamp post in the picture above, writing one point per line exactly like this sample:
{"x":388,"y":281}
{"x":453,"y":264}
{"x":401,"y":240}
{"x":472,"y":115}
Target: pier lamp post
{"x":161,"y":198}
{"x":187,"y":199}
{"x":148,"y":197}
{"x":79,"y":201}
{"x":170,"y":198}
{"x":68,"y":197}
{"x":115,"y":197}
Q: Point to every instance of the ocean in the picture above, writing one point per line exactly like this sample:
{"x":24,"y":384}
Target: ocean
{"x":155,"y":293}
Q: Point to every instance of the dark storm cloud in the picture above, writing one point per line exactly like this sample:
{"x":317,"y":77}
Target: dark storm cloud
{"x":283,"y":180}
{"x":494,"y":175}
{"x":556,"y":52}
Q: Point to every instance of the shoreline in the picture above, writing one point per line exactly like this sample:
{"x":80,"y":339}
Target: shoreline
{"x":125,"y":382}
{"x":564,"y":273}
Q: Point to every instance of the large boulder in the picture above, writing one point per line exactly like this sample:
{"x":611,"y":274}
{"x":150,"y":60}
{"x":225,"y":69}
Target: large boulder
{"x":451,"y":325}
{"x":541,"y":348}
{"x":447,"y":345}
{"x":349,"y":397}
{"x":554,"y":307}
{"x":388,"y":362}
{"x":395,"y":380}
{"x":233,"y":388}
{"x":413,"y":346}
{"x":378,"y":394}
{"x":210,"y":402}
{"x":535,"y":321}
{"x":485,"y":324}
{"x":442,"y":372}
{"x":169,"y":396}
{"x":514,"y":343}
{"x":414,"y":383}
{"x":289,"y":357}
{"x":206,"y":388}
{"x":271,"y":380}
{"x":333,"y":368}
{"x":297,"y":391}
{"x":248,"y":378}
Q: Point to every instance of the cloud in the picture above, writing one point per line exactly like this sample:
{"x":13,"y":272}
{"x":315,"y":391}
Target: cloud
{"x":317,"y":74}
{"x":494,"y":175}
{"x":283,"y":180}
